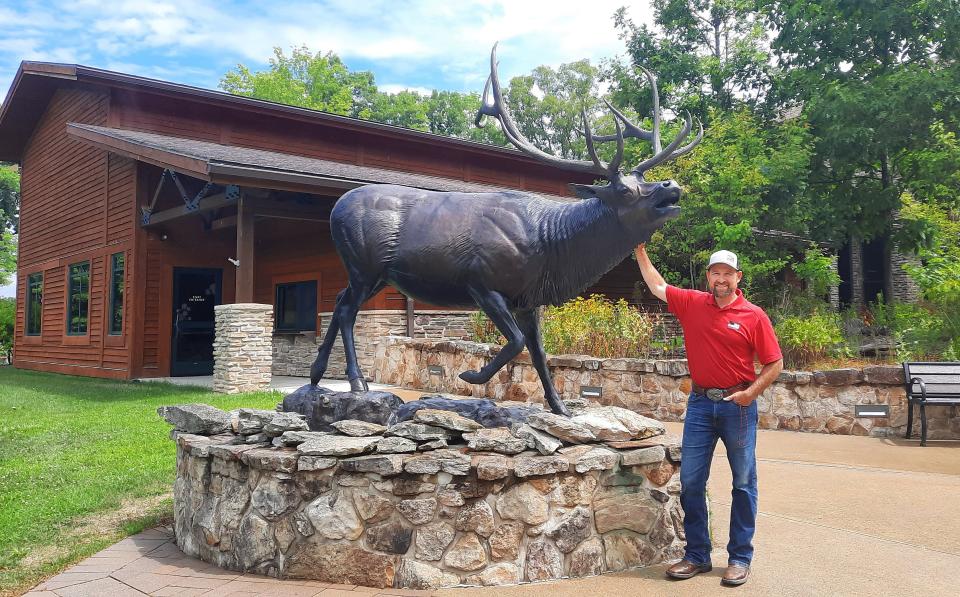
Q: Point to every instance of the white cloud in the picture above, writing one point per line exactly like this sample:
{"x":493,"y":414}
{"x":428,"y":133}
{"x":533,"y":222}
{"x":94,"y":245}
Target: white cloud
{"x":398,"y":41}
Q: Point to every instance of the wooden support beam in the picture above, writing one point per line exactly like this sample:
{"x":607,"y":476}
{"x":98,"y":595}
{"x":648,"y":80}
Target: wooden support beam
{"x":206,"y":204}
{"x":224,"y":223}
{"x":270,"y":208}
{"x":245,"y":252}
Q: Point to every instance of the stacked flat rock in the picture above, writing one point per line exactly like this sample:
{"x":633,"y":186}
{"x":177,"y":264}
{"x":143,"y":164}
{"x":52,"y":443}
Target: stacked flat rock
{"x":427,"y":429}
{"x":436,"y":499}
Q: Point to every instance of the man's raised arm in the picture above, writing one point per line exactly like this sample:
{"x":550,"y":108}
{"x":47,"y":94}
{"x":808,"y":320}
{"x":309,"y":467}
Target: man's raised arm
{"x":651,"y":276}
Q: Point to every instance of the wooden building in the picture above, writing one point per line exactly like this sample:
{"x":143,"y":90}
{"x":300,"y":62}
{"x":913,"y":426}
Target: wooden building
{"x":145,"y":203}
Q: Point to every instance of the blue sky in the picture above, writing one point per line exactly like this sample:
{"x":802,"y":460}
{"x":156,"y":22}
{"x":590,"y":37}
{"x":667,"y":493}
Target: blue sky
{"x":407,"y":44}
{"x":415,"y":44}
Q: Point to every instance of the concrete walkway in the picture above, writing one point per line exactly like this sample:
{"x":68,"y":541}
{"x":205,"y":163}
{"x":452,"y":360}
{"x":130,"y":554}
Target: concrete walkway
{"x":838,"y":515}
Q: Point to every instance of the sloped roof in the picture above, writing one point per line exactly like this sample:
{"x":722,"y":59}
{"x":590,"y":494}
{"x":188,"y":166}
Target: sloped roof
{"x":230,"y":164}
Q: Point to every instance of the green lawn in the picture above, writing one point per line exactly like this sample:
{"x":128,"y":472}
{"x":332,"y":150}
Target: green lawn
{"x":74,"y":450}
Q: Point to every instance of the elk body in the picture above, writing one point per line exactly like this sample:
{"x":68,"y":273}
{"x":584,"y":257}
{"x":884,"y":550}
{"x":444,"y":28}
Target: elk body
{"x":504,"y":252}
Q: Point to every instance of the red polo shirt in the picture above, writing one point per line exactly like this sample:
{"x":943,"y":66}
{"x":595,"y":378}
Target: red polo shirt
{"x":721,"y":342}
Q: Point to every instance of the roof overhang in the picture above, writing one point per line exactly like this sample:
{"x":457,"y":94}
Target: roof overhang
{"x":235,"y":165}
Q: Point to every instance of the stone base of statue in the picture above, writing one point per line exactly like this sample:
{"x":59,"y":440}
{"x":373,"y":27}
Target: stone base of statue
{"x":423,"y":496}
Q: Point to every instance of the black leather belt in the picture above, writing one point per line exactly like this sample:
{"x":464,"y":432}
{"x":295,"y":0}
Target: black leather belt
{"x":718,"y":394}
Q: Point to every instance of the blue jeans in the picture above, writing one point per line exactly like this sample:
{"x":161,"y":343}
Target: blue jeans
{"x":736,"y":425}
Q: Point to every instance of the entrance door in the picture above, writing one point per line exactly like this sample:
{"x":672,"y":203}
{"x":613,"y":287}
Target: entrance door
{"x":196,"y":292}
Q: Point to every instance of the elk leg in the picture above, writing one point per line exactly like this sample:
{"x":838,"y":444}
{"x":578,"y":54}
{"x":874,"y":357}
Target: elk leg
{"x":319,"y":366}
{"x":357,"y":293}
{"x":530,"y":326}
{"x":495,"y":306}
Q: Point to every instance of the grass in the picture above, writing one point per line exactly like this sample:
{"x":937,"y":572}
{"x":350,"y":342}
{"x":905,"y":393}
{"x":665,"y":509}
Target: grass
{"x":83,"y":463}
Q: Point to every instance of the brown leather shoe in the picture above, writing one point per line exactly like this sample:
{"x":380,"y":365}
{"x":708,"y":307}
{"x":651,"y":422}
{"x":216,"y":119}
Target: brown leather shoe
{"x":735,"y":575}
{"x":684,"y":569}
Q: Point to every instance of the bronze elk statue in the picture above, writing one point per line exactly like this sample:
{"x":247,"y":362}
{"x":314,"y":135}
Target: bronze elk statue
{"x":506,"y":252}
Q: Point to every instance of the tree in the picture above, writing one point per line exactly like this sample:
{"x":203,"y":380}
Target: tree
{"x":707,"y":54}
{"x":744,"y":175}
{"x":317,"y":81}
{"x":8,"y":256}
{"x":8,"y":315}
{"x":9,"y":197}
{"x":547,"y":106}
{"x":872,"y":77}
{"x":452,"y":114}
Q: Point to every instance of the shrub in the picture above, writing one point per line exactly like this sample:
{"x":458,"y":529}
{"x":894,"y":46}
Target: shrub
{"x":808,"y":339}
{"x":483,"y":330}
{"x":8,"y":313}
{"x":595,"y":326}
{"x":598,"y":327}
{"x":919,"y":332}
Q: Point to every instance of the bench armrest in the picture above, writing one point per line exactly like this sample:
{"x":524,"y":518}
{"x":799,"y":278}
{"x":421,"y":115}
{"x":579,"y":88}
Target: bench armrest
{"x":923,"y":388}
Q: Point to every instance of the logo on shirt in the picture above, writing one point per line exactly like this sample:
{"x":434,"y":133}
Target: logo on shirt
{"x":733,"y":325}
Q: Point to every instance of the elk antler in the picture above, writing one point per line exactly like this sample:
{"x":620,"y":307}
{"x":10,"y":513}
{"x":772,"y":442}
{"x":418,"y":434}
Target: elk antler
{"x":498,"y":109}
{"x":653,"y":135}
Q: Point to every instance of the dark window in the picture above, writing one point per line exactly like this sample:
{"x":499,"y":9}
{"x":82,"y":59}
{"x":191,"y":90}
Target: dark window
{"x":116,"y":293}
{"x":79,"y":299}
{"x":34,"y":303}
{"x":296,"y":307}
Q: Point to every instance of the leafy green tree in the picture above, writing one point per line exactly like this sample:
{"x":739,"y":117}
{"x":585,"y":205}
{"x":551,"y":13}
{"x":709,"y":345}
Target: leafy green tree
{"x":8,"y":314}
{"x":707,"y":54}
{"x":547,"y":106}
{"x":871,"y":78}
{"x":8,"y":256}
{"x":321,"y":81}
{"x":741,"y":177}
{"x":317,"y":81}
{"x":406,"y":108}
{"x":9,"y":197}
{"x":452,"y":114}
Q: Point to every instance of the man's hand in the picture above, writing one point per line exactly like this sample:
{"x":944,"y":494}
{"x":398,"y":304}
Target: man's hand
{"x":650,"y":274}
{"x":743,"y":397}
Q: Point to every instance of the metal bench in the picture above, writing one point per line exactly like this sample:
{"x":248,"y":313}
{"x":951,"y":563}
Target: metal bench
{"x":930,"y":384}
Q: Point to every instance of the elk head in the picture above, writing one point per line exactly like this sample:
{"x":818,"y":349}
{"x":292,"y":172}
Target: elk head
{"x":639,"y":204}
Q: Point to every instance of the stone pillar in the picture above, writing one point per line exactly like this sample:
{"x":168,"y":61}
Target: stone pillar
{"x":856,"y":273}
{"x":833,"y":293}
{"x":242,"y":348}
{"x":902,"y":288}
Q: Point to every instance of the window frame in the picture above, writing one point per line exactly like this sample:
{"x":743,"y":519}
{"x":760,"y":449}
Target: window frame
{"x":112,"y":281}
{"x":68,"y":328}
{"x":27,"y":304}
{"x":300,"y":283}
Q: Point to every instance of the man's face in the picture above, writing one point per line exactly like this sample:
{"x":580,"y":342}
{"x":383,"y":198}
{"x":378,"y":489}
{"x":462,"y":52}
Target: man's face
{"x":722,"y":280}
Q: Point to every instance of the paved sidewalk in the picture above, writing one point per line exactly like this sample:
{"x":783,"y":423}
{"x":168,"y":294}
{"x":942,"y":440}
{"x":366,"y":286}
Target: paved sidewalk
{"x":839,"y":515}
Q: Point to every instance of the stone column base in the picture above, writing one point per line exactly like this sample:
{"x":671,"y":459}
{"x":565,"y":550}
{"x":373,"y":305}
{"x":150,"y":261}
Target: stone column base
{"x":242,"y":348}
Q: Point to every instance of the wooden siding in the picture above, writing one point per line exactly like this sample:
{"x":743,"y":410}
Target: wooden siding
{"x":186,"y":246}
{"x":76,"y":206}
{"x":186,"y":118}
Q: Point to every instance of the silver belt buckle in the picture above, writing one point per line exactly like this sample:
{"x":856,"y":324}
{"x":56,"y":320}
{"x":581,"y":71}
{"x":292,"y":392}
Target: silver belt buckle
{"x":715,"y":394}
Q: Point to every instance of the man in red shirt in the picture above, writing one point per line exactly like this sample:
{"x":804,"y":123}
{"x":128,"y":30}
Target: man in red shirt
{"x":723,"y":333}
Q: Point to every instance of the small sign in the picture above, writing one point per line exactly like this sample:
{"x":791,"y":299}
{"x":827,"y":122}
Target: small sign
{"x":435,"y":370}
{"x":871,"y":410}
{"x":591,"y":391}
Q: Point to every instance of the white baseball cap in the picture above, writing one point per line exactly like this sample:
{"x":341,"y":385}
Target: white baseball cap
{"x":726,"y":258}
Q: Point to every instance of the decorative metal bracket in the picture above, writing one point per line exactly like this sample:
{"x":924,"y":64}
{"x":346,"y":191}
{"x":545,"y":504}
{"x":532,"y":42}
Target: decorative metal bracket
{"x":190,"y":204}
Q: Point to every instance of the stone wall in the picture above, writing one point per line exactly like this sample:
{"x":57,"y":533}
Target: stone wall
{"x":427,"y":520}
{"x":242,"y":347}
{"x":294,"y":353}
{"x":819,"y":401}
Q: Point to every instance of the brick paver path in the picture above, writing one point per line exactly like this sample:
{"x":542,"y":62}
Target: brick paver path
{"x":152,"y":564}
